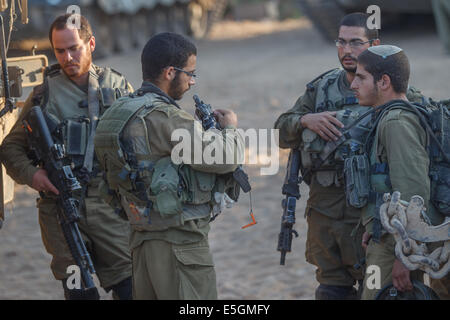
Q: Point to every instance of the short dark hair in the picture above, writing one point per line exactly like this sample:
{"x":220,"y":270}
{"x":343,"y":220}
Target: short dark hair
{"x":165,"y":50}
{"x":359,"y":19}
{"x":60,"y":23}
{"x":396,"y":66}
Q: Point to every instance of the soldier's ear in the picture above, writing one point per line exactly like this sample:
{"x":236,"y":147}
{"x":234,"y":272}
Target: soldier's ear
{"x":376,"y":42}
{"x":385,"y":82}
{"x":91,"y":43}
{"x":169,"y":73}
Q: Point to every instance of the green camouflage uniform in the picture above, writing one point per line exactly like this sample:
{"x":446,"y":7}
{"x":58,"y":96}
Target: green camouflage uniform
{"x":330,"y":244}
{"x":400,"y":142}
{"x":170,"y":251}
{"x":106,"y":233}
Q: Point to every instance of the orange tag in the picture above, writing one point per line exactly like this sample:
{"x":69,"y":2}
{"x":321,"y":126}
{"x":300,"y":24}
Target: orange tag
{"x":251,"y":223}
{"x":134,"y":211}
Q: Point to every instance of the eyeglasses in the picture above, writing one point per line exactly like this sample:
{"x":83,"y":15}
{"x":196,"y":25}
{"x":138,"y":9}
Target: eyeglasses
{"x":189,"y":73}
{"x":353,"y":43}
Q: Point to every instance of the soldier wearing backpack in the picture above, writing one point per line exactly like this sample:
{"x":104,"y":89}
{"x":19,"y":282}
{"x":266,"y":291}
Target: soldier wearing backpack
{"x":399,"y":160}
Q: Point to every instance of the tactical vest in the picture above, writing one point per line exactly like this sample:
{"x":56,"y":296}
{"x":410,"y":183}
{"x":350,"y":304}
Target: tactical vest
{"x":328,"y":98}
{"x":439,"y":171}
{"x":65,"y":106}
{"x":154,"y":192}
{"x":336,"y":170}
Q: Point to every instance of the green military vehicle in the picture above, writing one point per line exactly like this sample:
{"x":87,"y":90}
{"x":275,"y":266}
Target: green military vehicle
{"x":327,"y":14}
{"x":17,"y":73}
{"x":123,"y":24}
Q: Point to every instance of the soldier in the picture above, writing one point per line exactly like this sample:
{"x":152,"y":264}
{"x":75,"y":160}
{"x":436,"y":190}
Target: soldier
{"x":329,"y":244}
{"x":398,"y":159}
{"x":66,"y":98}
{"x":331,"y":221}
{"x":168,"y":203}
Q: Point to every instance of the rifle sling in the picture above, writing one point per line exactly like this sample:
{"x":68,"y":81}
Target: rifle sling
{"x":94,"y":110}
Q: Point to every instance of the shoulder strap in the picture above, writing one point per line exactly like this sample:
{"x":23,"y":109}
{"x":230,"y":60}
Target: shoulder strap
{"x":94,"y":110}
{"x":40,"y":92}
{"x":310,"y":85}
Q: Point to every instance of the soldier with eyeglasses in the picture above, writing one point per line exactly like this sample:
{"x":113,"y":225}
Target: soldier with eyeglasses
{"x":333,"y":242}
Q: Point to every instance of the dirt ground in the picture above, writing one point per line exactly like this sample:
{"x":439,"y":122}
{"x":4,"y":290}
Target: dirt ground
{"x":258,"y":70}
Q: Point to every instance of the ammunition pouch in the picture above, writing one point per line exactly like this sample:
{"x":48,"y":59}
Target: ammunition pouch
{"x":75,"y":133}
{"x":356,"y":172}
{"x":440,"y":188}
{"x":198,"y":185}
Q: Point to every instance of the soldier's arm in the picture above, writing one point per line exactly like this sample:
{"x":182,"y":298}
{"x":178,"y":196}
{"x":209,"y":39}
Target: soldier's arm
{"x":14,"y":149}
{"x":179,"y":123}
{"x":289,"y":122}
{"x":405,"y":139}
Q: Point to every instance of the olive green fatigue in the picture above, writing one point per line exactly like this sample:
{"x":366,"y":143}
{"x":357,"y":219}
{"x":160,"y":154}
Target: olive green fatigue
{"x":326,"y":248}
{"x":330,"y":246}
{"x":441,"y":10}
{"x":402,"y":145}
{"x":165,"y":270}
{"x":170,"y":261}
{"x":106,"y":233}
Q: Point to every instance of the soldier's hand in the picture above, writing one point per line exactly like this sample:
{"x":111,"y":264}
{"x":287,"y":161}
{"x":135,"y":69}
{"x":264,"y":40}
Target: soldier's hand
{"x":226,"y":117}
{"x":42,"y":183}
{"x":323,"y":123}
{"x":401,"y":276}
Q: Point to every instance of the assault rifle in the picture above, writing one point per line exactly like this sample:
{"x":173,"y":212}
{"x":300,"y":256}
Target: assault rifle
{"x":291,"y":188}
{"x":50,"y":156}
{"x":9,"y":103}
{"x":205,"y":114}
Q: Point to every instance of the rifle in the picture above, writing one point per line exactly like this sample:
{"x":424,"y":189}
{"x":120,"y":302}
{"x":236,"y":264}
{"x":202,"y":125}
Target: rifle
{"x":291,"y":188}
{"x":9,"y":103}
{"x":206,"y":116}
{"x":292,"y":181}
{"x":50,"y":155}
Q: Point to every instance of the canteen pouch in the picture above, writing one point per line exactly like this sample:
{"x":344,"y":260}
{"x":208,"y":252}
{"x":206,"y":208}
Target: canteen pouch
{"x":356,"y":173}
{"x":166,"y":188}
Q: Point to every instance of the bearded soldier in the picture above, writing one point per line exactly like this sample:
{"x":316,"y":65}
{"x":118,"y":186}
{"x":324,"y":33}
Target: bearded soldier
{"x":312,"y":122}
{"x":167,"y":202}
{"x":72,"y":88}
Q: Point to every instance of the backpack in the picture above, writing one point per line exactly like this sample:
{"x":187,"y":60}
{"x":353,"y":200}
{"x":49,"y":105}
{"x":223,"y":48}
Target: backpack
{"x":435,"y":119}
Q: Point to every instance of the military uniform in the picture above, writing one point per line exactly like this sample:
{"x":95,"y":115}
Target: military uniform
{"x":330,"y":244}
{"x":399,"y":162}
{"x":65,"y":105}
{"x":167,"y":205}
